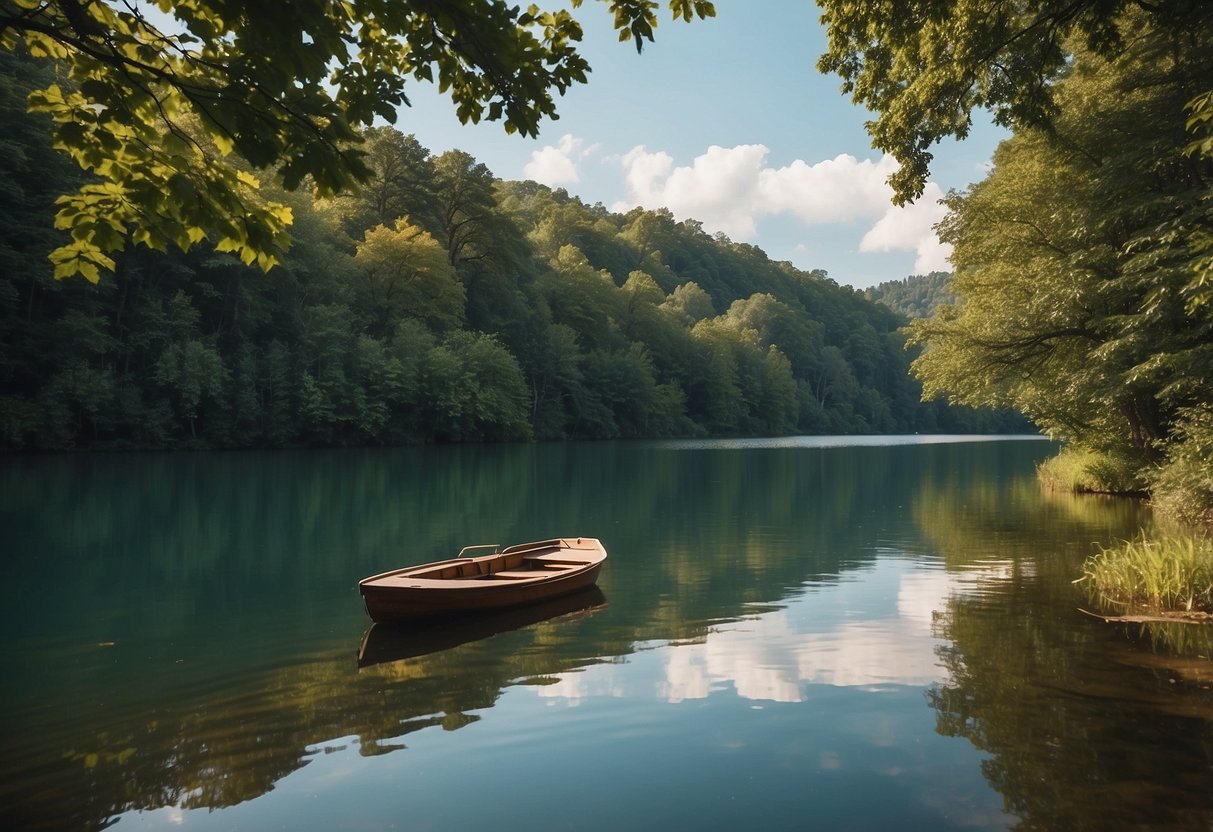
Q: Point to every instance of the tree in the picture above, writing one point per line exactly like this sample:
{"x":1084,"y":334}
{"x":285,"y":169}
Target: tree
{"x":166,"y":112}
{"x":778,"y":405}
{"x":833,"y":386}
{"x":406,"y":273}
{"x":923,"y":66}
{"x":1074,"y":268}
{"x":474,"y":390}
{"x":690,"y":304}
{"x":777,"y":324}
{"x":585,"y":299}
{"x":32,"y":175}
{"x":645,"y":233}
{"x":555,"y":381}
{"x":467,"y":206}
{"x":641,"y":317}
{"x":556,"y":226}
{"x":401,"y":184}
{"x":192,"y":371}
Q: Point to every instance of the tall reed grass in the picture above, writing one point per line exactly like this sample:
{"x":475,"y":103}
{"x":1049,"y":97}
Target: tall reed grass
{"x":1066,"y":471}
{"x":1167,"y":574}
{"x":1079,"y":470}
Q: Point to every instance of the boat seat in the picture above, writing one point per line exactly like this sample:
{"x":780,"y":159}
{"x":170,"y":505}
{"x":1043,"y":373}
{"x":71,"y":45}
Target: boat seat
{"x":546,"y":564}
{"x":549,"y":555}
{"x":517,"y":573}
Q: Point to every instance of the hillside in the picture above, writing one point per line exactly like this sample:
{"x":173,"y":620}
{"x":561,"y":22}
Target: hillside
{"x":916,"y":296}
{"x":438,"y":304}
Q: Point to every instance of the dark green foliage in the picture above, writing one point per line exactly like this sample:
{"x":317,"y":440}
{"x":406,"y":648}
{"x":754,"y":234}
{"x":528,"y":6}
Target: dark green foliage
{"x":923,"y":66}
{"x":496,"y":311}
{"x":1080,"y":275}
{"x":917,"y":296}
{"x":173,"y":120}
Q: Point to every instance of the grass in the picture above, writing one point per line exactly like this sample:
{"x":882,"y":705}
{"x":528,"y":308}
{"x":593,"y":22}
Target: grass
{"x":1078,"y":471}
{"x":1168,"y":574}
{"x":1066,"y":471}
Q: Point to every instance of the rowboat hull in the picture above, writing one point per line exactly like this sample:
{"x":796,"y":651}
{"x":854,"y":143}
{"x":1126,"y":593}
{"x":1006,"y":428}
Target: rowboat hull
{"x":528,"y":573}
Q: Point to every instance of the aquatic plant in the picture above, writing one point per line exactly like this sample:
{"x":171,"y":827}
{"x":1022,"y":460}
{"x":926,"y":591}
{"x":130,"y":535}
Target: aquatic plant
{"x":1166,"y":574}
{"x":1080,"y":470}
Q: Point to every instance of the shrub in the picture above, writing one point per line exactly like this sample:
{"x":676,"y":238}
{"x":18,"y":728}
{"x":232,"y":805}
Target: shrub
{"x":1183,"y":487}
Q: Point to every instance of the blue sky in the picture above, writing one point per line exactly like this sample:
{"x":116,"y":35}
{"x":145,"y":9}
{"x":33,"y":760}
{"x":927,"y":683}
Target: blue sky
{"x":727,"y":121}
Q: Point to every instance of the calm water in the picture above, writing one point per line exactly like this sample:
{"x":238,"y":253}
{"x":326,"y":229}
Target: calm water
{"x":789,"y":634}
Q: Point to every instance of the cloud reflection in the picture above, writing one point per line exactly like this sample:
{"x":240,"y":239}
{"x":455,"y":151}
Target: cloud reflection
{"x":873,"y":633}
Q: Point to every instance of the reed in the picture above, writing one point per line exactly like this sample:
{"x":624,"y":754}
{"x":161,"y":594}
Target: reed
{"x":1066,"y":471}
{"x":1167,"y":574}
{"x":1082,"y":471}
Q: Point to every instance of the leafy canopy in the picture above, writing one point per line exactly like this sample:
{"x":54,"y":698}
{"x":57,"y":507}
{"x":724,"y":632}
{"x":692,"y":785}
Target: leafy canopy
{"x":1080,"y":302}
{"x":923,"y":66}
{"x":172,"y":114}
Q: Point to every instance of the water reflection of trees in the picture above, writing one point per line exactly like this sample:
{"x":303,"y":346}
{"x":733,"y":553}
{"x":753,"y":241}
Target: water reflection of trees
{"x":233,"y":743}
{"x":1085,"y":729}
{"x":226,"y":583}
{"x":1078,"y":740}
{"x":237,"y":530}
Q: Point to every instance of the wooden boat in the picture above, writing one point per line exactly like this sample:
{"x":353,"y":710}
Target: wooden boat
{"x":524,"y":574}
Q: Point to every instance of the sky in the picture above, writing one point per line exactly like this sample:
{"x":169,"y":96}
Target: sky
{"x":727,"y":121}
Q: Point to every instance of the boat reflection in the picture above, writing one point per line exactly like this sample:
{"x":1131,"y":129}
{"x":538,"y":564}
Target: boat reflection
{"x":395,"y":641}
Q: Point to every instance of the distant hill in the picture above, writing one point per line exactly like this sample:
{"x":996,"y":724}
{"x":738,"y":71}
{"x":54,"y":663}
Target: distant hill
{"x":435,"y":303}
{"x":916,"y":296}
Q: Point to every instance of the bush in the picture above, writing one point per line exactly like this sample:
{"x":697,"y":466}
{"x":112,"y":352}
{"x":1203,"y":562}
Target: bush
{"x":1183,"y":487}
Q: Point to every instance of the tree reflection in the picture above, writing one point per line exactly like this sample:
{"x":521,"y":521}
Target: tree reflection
{"x":1085,"y":729}
{"x":226,"y":747}
{"x":219,"y":580}
{"x":226,"y":586}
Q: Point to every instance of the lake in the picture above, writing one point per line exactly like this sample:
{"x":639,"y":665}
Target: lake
{"x":826,"y":633}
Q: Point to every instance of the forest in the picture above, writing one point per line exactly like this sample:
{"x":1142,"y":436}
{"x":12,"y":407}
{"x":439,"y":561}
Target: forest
{"x":916,"y":296}
{"x":434,"y":303}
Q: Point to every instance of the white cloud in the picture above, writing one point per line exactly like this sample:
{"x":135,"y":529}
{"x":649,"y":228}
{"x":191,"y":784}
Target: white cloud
{"x":910,"y":228}
{"x":719,"y":188}
{"x":841,"y":189}
{"x":732,"y":189}
{"x":644,"y":169}
{"x":557,"y":164}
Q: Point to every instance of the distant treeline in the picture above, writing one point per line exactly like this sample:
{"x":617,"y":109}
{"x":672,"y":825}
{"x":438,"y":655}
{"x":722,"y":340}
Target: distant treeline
{"x":917,"y":296}
{"x":437,"y":304}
